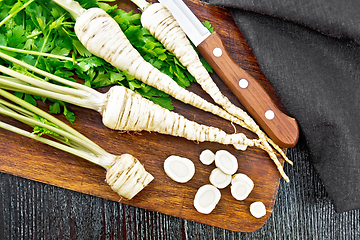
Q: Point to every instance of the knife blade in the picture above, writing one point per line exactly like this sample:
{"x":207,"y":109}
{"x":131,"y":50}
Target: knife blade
{"x":282,"y":129}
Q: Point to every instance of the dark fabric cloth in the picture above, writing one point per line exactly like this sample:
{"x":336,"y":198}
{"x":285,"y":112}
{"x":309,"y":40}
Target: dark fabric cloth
{"x":310,"y":53}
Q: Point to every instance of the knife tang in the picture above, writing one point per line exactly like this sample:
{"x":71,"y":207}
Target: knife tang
{"x":282,"y":129}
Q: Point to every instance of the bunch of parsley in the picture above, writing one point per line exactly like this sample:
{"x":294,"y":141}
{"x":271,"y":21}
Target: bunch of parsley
{"x":42,"y":26}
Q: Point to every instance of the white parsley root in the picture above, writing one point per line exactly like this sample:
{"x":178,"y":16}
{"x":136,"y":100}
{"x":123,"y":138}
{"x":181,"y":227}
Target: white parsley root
{"x":207,"y":157}
{"x":206,"y":198}
{"x":129,"y":111}
{"x":179,"y":169}
{"x":125,"y":175}
{"x":241,"y":186}
{"x":258,"y":209}
{"x":219,"y":179}
{"x":226,"y":162}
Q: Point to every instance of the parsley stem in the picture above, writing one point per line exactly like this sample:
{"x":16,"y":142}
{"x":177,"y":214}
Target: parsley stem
{"x":15,"y":12}
{"x":17,"y":85}
{"x":45,"y":115}
{"x":142,"y":4}
{"x":49,"y":75}
{"x":104,"y":161}
{"x":35,"y":53}
{"x":34,"y":34}
{"x":5,"y":104}
{"x":71,"y":6}
{"x":43,"y":46}
{"x":44,"y":140}
{"x":78,"y":94}
{"x":33,"y":122}
{"x":43,"y":84}
{"x":79,"y":144}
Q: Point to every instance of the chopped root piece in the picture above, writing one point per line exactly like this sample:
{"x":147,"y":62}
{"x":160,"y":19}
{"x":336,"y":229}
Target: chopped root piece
{"x":241,"y":147}
{"x":127,"y":176}
{"x":241,"y":186}
{"x":226,"y":162}
{"x":219,"y":179}
{"x":207,"y":157}
{"x":242,"y":177}
{"x":258,"y":209}
{"x":206,"y":198}
{"x":179,"y":169}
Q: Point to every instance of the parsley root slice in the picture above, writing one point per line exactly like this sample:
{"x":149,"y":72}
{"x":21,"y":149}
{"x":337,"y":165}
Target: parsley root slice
{"x":258,"y":209}
{"x":219,"y":179}
{"x":103,"y":37}
{"x":125,"y":174}
{"x":207,"y":157}
{"x":226,"y":162}
{"x":206,"y":198}
{"x":241,"y":186}
{"x":179,"y":169}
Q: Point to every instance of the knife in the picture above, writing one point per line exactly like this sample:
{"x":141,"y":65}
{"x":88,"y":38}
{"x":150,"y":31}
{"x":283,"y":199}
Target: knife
{"x":282,"y":129}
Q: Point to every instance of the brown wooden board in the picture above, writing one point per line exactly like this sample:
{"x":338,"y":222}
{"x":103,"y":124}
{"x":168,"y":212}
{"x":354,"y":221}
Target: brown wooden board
{"x":33,"y":160}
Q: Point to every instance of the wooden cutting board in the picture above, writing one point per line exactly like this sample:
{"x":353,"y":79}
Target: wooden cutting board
{"x":33,"y":160}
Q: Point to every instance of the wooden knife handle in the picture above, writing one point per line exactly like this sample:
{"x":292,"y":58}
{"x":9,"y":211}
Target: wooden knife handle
{"x":282,"y":129}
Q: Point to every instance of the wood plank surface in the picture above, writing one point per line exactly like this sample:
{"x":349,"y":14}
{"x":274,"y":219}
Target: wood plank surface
{"x":29,"y":159}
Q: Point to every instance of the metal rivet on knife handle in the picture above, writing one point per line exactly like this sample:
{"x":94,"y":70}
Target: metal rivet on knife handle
{"x":269,"y":114}
{"x":243,"y":83}
{"x":217,"y":52}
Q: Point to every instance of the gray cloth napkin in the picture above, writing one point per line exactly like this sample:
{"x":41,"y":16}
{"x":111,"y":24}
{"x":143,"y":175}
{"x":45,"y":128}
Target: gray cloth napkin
{"x":310,"y":53}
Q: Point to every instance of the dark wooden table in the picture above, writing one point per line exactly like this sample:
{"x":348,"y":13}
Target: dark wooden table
{"x":33,"y":210}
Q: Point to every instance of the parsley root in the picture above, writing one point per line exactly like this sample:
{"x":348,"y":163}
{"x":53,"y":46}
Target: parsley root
{"x":125,"y":174}
{"x":129,"y":111}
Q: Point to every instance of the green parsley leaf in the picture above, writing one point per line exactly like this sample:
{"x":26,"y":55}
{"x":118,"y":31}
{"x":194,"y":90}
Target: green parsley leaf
{"x":3,"y":41}
{"x":30,"y":99}
{"x":16,"y":36}
{"x":86,"y":63}
{"x":206,"y":65}
{"x":60,"y":51}
{"x":42,"y":130}
{"x":208,"y":26}
{"x":55,"y":108}
{"x":70,"y":116}
{"x":164,"y":102}
{"x":81,"y":49}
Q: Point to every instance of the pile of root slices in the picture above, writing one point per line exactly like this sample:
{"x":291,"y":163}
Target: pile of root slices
{"x":181,"y":170}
